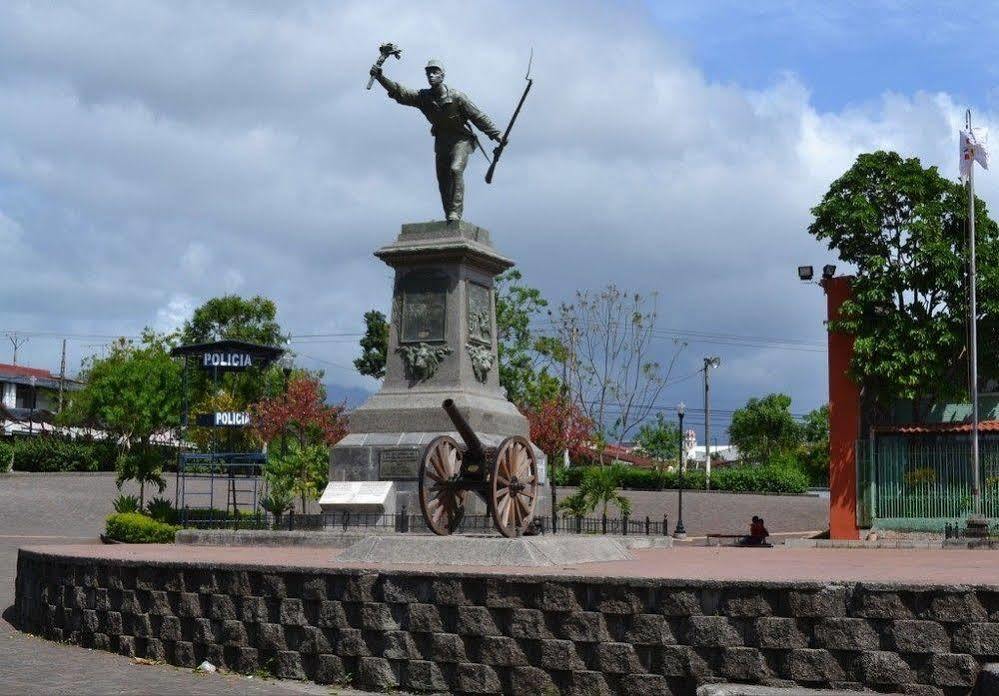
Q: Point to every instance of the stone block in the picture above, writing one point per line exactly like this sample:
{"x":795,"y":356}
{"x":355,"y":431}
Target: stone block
{"x":221,"y":608}
{"x":475,"y":621}
{"x":314,"y":589}
{"x":643,"y":685}
{"x":501,"y":651}
{"x":189,"y":605}
{"x":649,"y":629}
{"x":617,"y":658}
{"x":271,"y":585}
{"x":139,"y":625}
{"x":846,"y":634}
{"x":215,"y":654}
{"x":330,"y":670}
{"x":502,"y":593}
{"x":204,"y":631}
{"x":271,"y":637}
{"x":158,"y":603}
{"x":531,"y":680}
{"x":350,"y":643}
{"x":529,"y":624}
{"x":745,"y":603}
{"x":200,"y":581}
{"x":712,"y":631}
{"x":170,"y":628}
{"x":978,"y":639}
{"x":778,"y":633}
{"x":99,"y":641}
{"x":331,"y":615}
{"x":183,"y":654}
{"x":254,"y":610}
{"x":583,"y":627}
{"x":288,"y":665}
{"x":313,"y":641}
{"x":110,"y":623}
{"x":424,"y":618}
{"x":812,"y":665}
{"x":292,"y":612}
{"x":818,"y":604}
{"x":247,"y":660}
{"x":949,"y":669}
{"x":559,"y":655}
{"x":880,"y":667}
{"x":447,"y":648}
{"x":673,"y":661}
{"x":553,"y":596}
{"x":377,"y":617}
{"x":233,"y":633}
{"x":399,"y":645}
{"x":153,"y":650}
{"x":448,"y":592}
{"x":909,"y":636}
{"x":956,"y":607}
{"x":620,"y":599}
{"x":678,"y":602}
{"x":126,"y":646}
{"x":129,"y":603}
{"x":99,"y":600}
{"x":587,"y":683}
{"x":879,"y":604}
{"x":405,"y":590}
{"x":421,"y":675}
{"x":476,"y":679}
{"x":744,"y":664}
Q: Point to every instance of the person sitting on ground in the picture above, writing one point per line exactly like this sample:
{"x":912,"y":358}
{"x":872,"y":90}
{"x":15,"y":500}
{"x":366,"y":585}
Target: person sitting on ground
{"x":758,"y":532}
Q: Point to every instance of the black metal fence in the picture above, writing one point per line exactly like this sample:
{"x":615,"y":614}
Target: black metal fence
{"x":406,"y":522}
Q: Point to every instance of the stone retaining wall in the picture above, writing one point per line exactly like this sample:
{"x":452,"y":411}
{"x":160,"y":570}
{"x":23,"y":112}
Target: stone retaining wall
{"x":524,"y":634}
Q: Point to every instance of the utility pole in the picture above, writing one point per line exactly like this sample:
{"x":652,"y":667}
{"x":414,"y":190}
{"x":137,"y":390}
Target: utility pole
{"x":62,"y":374}
{"x":713,"y":361}
{"x":17,"y":342}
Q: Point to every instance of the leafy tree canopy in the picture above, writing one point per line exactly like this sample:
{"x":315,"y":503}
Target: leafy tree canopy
{"x":764,"y":428}
{"x":374,"y":345}
{"x":237,"y":318}
{"x":903,"y":227}
{"x":660,"y":439}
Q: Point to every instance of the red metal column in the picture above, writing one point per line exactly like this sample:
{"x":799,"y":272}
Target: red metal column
{"x":844,"y":420}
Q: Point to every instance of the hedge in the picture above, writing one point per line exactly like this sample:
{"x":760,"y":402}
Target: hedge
{"x":135,"y":528}
{"x":49,"y":453}
{"x":769,"y":478}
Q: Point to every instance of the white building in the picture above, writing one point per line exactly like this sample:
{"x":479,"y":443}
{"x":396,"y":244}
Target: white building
{"x":29,"y":394}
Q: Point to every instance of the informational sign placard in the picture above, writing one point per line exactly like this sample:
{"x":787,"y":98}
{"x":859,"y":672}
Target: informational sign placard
{"x":223,"y":419}
{"x":399,"y":464}
{"x":359,"y":496}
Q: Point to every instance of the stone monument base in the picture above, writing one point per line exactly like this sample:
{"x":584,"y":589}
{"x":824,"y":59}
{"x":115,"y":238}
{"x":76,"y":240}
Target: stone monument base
{"x":396,"y":457}
{"x":484,"y":550}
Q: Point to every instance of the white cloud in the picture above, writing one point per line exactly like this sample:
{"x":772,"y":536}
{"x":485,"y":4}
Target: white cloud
{"x":145,"y":144}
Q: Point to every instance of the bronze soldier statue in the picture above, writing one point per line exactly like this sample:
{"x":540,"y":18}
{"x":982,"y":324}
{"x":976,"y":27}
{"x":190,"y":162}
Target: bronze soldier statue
{"x":449,"y":112}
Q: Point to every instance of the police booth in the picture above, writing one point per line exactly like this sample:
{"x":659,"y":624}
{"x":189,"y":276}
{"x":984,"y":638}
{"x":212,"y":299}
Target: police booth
{"x":225,"y":470}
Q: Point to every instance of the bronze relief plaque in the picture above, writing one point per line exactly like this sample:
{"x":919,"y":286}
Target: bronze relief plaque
{"x":480,"y":314}
{"x":424,"y":307}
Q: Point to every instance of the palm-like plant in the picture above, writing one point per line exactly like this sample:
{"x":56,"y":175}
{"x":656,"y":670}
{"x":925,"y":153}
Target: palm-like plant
{"x":143,"y":465}
{"x":599,"y":487}
{"x":277,"y":502}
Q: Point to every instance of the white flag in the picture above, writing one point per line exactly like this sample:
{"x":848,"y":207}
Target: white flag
{"x":974,"y":148}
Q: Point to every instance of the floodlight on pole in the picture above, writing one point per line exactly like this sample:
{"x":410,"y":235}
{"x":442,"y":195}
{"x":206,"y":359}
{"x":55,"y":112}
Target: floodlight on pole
{"x":805,"y":273}
{"x":828,"y":271}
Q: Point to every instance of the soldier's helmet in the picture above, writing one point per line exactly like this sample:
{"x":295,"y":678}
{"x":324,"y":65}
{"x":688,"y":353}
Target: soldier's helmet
{"x":434,"y":63}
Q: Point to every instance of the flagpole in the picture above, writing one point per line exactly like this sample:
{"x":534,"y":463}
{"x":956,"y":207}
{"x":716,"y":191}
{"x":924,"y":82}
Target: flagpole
{"x":976,"y":485}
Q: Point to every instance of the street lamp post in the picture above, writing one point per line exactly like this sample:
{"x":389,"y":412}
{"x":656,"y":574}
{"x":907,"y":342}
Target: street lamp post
{"x":713,"y":361}
{"x":680,"y":532}
{"x":34,"y":403}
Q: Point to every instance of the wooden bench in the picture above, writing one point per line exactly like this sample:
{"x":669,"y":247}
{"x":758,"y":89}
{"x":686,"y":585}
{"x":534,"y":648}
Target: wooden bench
{"x":739,"y":543}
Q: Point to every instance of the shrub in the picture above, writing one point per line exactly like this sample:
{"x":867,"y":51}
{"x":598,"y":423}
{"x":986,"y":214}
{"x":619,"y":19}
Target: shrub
{"x":126,"y":503}
{"x":782,"y":476}
{"x":161,"y":510}
{"x":51,"y":453}
{"x":136,"y":528}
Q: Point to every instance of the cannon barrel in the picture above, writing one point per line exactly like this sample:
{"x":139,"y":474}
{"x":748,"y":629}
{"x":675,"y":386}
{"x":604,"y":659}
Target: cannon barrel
{"x":475,"y":449}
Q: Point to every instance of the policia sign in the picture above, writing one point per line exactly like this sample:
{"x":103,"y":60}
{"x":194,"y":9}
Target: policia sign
{"x":223,"y":419}
{"x":228,"y":355}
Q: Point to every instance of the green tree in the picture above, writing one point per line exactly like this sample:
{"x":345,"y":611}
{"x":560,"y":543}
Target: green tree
{"x":764,"y":428}
{"x":903,"y":227}
{"x":374,"y":345}
{"x":235,"y":318}
{"x":134,"y":393}
{"x":299,"y":470}
{"x":660,"y":439}
{"x":814,"y":454}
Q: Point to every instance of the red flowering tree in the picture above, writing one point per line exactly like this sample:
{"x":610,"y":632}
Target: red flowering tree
{"x":301,"y":416}
{"x":558,"y":424}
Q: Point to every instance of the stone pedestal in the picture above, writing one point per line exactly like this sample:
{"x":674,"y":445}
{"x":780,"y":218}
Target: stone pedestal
{"x":442,"y":344}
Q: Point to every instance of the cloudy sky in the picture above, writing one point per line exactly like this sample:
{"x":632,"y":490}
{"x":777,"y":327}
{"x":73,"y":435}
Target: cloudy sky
{"x":153,"y":155}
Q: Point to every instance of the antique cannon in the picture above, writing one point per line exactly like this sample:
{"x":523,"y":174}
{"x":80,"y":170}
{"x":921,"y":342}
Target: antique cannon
{"x":506,"y":478}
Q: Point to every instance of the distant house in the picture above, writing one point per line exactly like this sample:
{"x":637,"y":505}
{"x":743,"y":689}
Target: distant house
{"x":29,"y":397}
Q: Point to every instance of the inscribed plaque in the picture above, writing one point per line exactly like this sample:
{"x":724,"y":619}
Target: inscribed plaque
{"x":424,"y":306}
{"x":480,"y":319}
{"x":398,"y":463}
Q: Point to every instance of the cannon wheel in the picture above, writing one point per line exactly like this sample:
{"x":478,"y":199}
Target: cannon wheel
{"x":514,"y":486}
{"x":441,"y":501}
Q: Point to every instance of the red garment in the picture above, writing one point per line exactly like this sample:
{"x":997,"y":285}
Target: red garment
{"x":756,"y":529}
